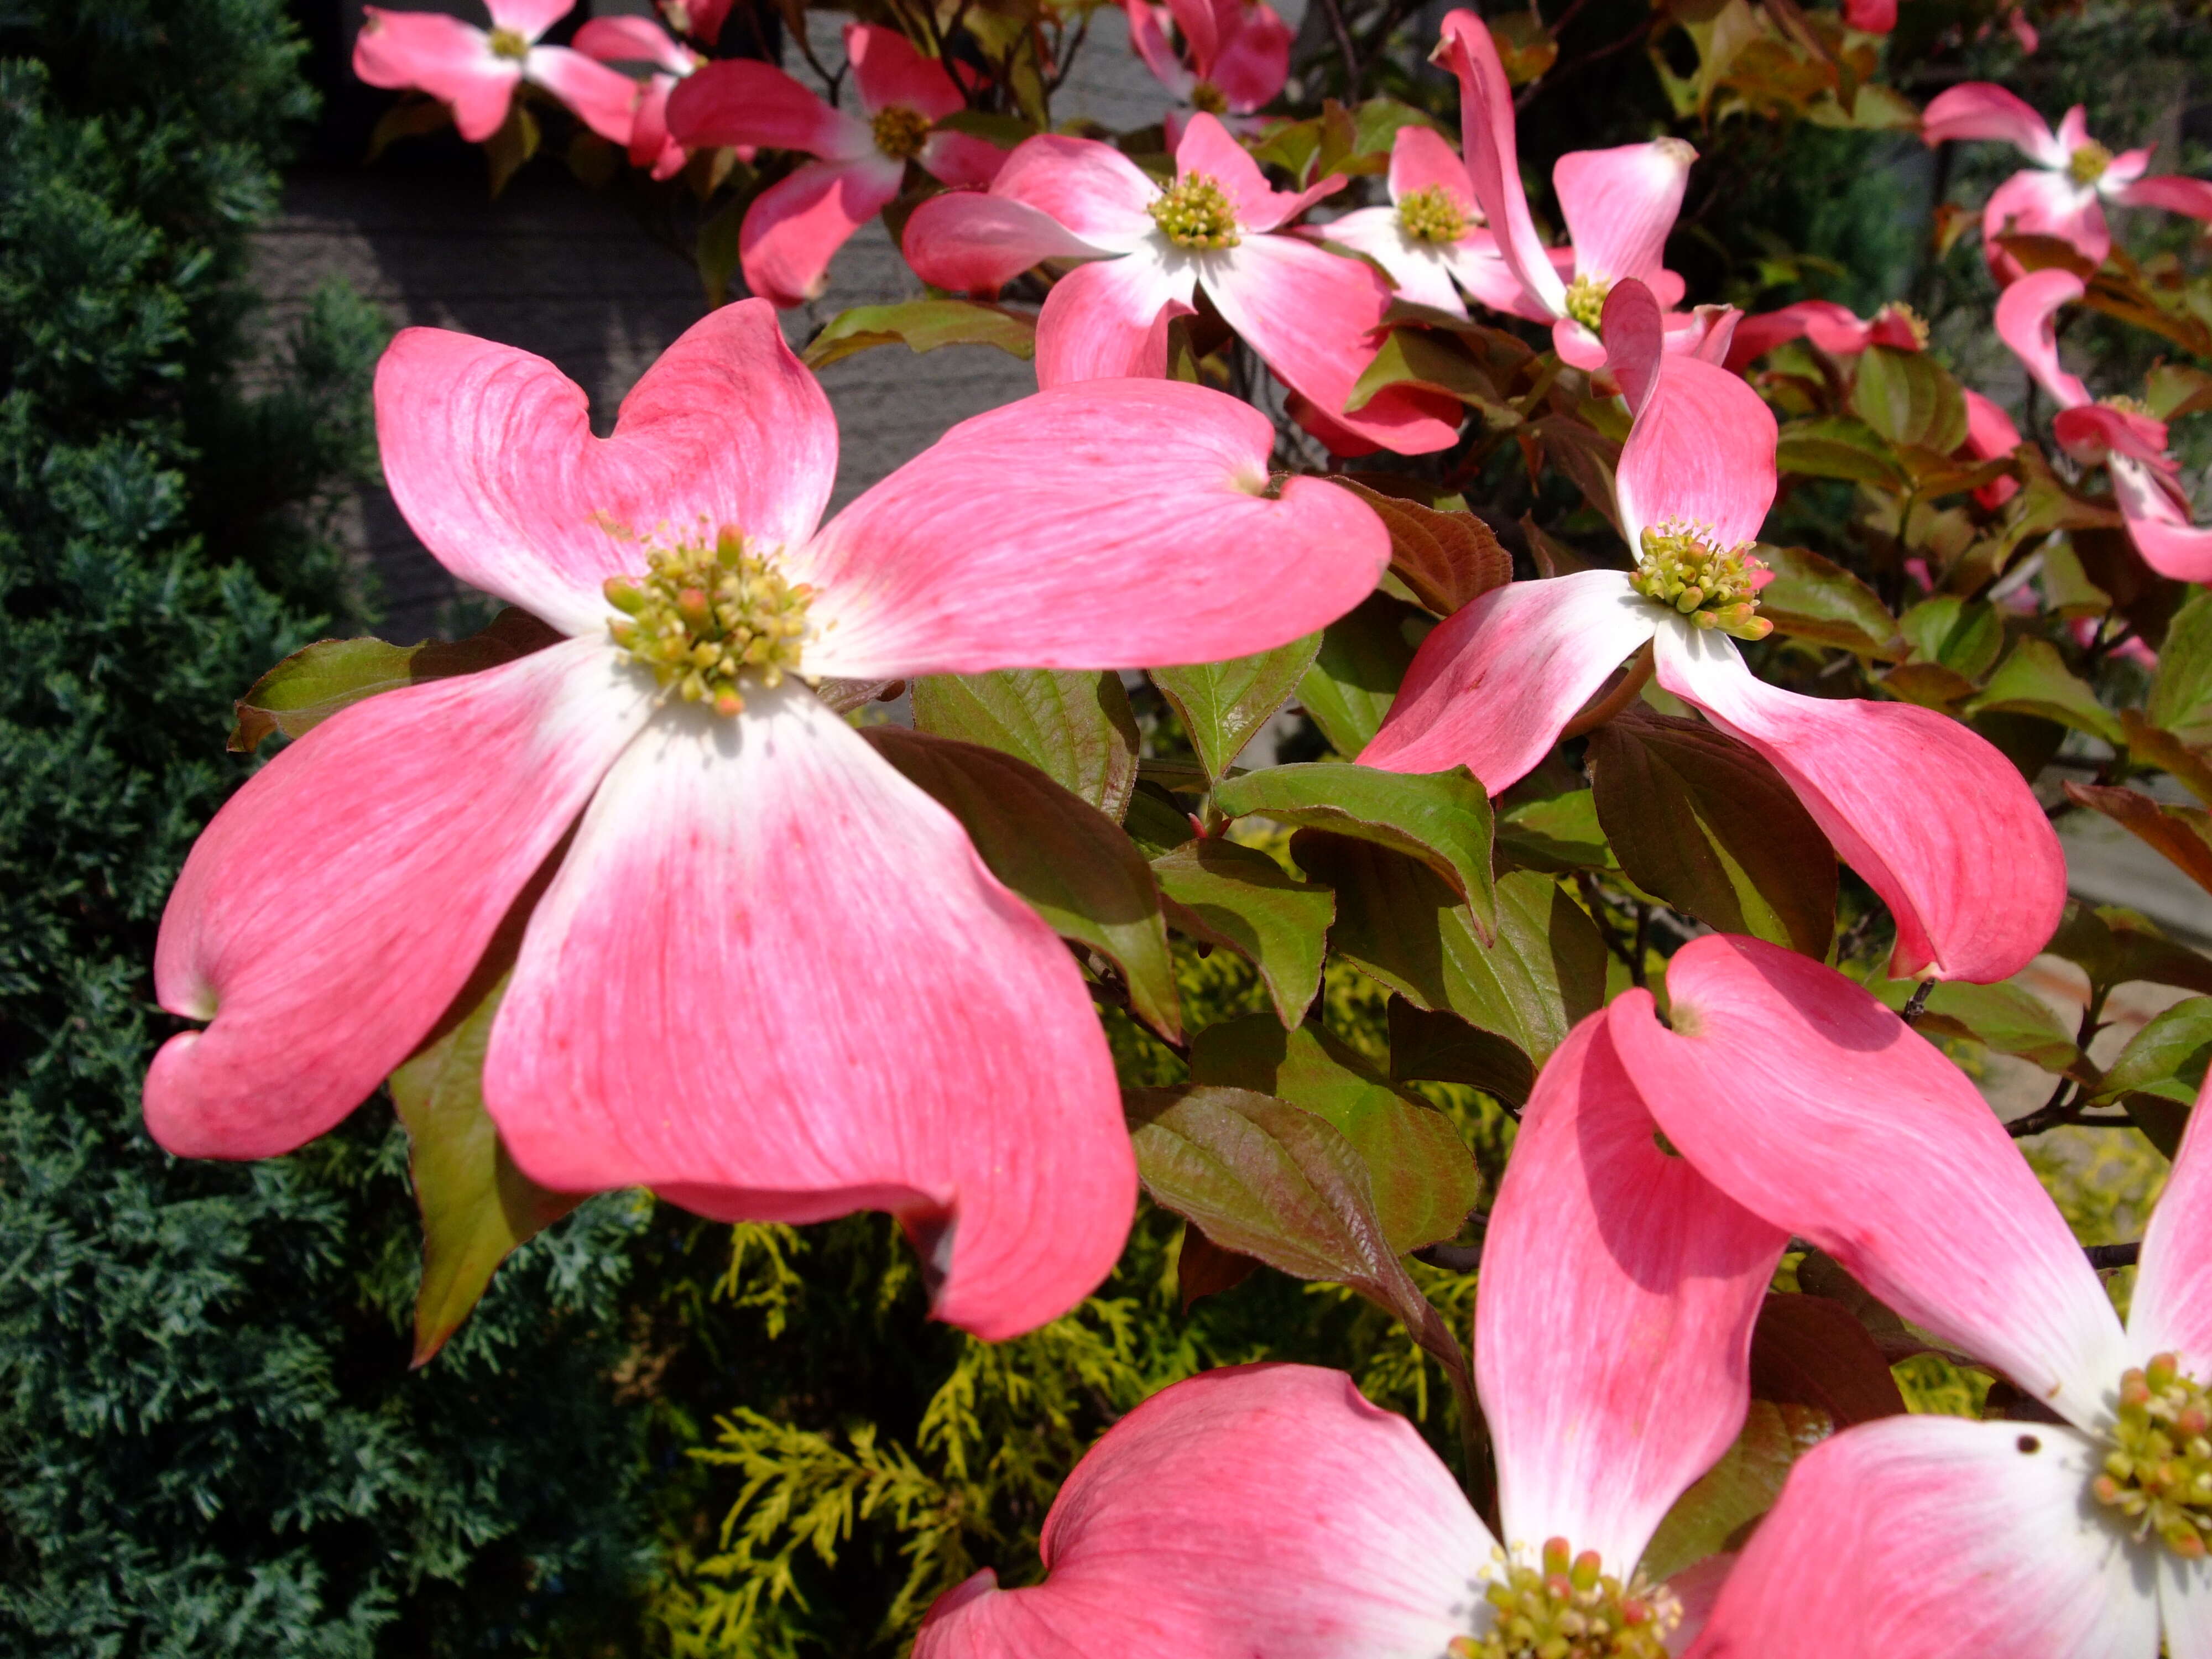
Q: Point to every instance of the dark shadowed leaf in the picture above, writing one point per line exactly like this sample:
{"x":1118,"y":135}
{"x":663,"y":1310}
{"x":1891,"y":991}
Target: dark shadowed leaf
{"x":921,"y":325}
{"x":1424,"y":359}
{"x":1203,"y":1268}
{"x":1445,"y":558}
{"x":1812,"y":598}
{"x":1439,"y":1048}
{"x":2034,"y":680}
{"x":1155,"y":821}
{"x":2005,"y":1017}
{"x":1355,"y":677}
{"x":2182,"y":833}
{"x":1557,"y":833}
{"x":1223,"y":703}
{"x":1238,"y":897}
{"x":1585,"y":455}
{"x":1072,"y":863}
{"x":2157,"y":1075}
{"x":1837,"y":447}
{"x":1812,"y":1350}
{"x":1966,"y":637}
{"x":1909,"y":398}
{"x":1717,"y":1513}
{"x":1076,"y":728}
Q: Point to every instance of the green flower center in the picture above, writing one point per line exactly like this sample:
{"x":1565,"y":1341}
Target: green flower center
{"x":1209,"y":97}
{"x":1712,"y":586}
{"x":2086,"y":165}
{"x":901,"y":133}
{"x":705,"y":617}
{"x":2159,"y":1473}
{"x":1569,"y":1608}
{"x":506,"y":43}
{"x":1432,"y":215}
{"x":1586,"y":301}
{"x":1195,"y":212}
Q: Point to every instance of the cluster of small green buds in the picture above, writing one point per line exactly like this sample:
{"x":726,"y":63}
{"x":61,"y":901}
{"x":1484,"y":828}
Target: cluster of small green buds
{"x":1586,"y":301}
{"x":1196,"y":212}
{"x":1712,"y":586}
{"x":2086,"y":165}
{"x":901,"y":133}
{"x":1209,"y":98}
{"x":1568,"y":1607}
{"x":2159,"y":1473}
{"x":704,"y":617}
{"x":506,"y":43}
{"x":1432,"y":216}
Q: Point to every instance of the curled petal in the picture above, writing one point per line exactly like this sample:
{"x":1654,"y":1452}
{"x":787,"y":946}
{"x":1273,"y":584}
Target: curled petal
{"x":1258,"y":1510}
{"x":889,"y":74}
{"x":1613,"y":1329}
{"x":1200,"y":24}
{"x":1421,"y":159}
{"x":2036,"y":202}
{"x":1834,"y":328}
{"x":1931,"y":1537}
{"x":2174,"y":192}
{"x":634,"y":40}
{"x":1421,"y":270}
{"x":737,"y":100}
{"x":1256,"y":56}
{"x":489,"y":455}
{"x":528,"y":18}
{"x":1980,"y":109}
{"x":978,"y":242}
{"x":1701,"y":449}
{"x":603,"y":99}
{"x":650,"y":146}
{"x":1933,"y":819}
{"x":2158,"y":522}
{"x":1989,"y":433}
{"x":795,"y":227}
{"x":1808,"y":1102}
{"x":1148,"y":33}
{"x":1620,"y":204}
{"x":2171,"y":1309}
{"x":1096,"y":191}
{"x":774,"y":981}
{"x":1493,"y":155}
{"x":961,"y":158}
{"x":2095,"y":431}
{"x":1101,"y":524}
{"x":1495,"y":683}
{"x":340,"y":900}
{"x":1108,"y":319}
{"x":2026,"y":311}
{"x":442,"y":56}
{"x":1577,"y":347}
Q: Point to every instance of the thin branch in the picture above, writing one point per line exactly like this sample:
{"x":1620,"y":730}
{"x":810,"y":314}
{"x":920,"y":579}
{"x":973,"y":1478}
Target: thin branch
{"x":1917,"y":1004}
{"x":1335,"y":15}
{"x":2106,"y":1257}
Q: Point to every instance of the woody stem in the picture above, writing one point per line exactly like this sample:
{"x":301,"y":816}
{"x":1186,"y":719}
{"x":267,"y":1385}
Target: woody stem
{"x":1609,"y":703}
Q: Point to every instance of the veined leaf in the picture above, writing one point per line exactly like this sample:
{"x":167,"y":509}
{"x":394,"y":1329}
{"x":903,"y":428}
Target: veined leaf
{"x":1812,"y":1350}
{"x":1444,"y":558}
{"x":2005,"y":1017}
{"x":1838,"y":447}
{"x":1441,"y":1047}
{"x":921,"y":325}
{"x":1556,"y":835}
{"x":1812,"y":598}
{"x":1355,"y":675}
{"x":1717,"y":1511}
{"x":2158,"y":1075}
{"x":1226,"y":894}
{"x":1223,"y":704}
{"x":1076,"y":728}
{"x":2182,"y":833}
{"x":1909,"y":398}
{"x":2033,"y":680}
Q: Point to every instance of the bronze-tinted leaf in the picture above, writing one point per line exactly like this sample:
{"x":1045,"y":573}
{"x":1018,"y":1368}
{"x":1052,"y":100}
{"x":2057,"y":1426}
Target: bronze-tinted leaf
{"x":1076,"y":728}
{"x":1445,"y":558}
{"x":1223,"y":704}
{"x":1226,"y":894}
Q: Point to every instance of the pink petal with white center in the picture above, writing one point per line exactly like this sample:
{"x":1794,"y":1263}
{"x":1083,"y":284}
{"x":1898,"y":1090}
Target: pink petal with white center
{"x":2158,"y":522}
{"x":2172,"y":192}
{"x":773,"y":981}
{"x":1577,"y":347}
{"x":1701,"y":451}
{"x":961,"y":158}
{"x":339,"y":901}
{"x":736,"y":100}
{"x":489,"y":455}
{"x":649,"y":142}
{"x":1495,"y":682}
{"x":2184,"y":1606}
{"x":425,"y":52}
{"x":1635,"y":344}
{"x":2122,"y":170}
{"x":1255,"y":58}
{"x":2095,"y":431}
{"x":1938,"y":1538}
{"x":1834,"y":328}
{"x":1933,"y":819}
{"x":1108,"y":319}
{"x":977,"y":243}
{"x":1102,"y":525}
{"x":1096,"y":191}
{"x":1148,"y":33}
{"x":1979,"y":109}
{"x":1311,"y":315}
{"x":889,"y":74}
{"x":1421,"y":270}
{"x":1476,"y":266}
{"x":1613,"y":1328}
{"x":603,"y":99}
{"x":1209,"y":149}
{"x":794,"y":228}
{"x":1493,"y":155}
{"x":1620,"y":204}
{"x":1707,"y":333}
{"x":635,"y":40}
{"x":1421,"y":159}
{"x":1259,"y":1509}
{"x":1794,"y":1092}
{"x":528,"y":18}
{"x":1989,"y":433}
{"x":2171,"y":1309}
{"x":2036,"y":202}
{"x":2073,"y":131}
{"x":2025,"y":316}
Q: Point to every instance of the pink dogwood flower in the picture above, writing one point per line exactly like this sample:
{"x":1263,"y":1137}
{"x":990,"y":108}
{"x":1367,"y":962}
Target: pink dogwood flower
{"x":2117,"y":432}
{"x":1989,"y":433}
{"x":1929,"y":1537}
{"x":1236,"y":56}
{"x":2063,"y":194}
{"x":1309,"y":313}
{"x":477,"y":72}
{"x":1618,"y":203}
{"x":767,"y":977}
{"x":1936,"y":820}
{"x":1834,"y":329}
{"x":795,"y":227}
{"x":1431,"y":239}
{"x":641,"y":41}
{"x":1269,"y":1509}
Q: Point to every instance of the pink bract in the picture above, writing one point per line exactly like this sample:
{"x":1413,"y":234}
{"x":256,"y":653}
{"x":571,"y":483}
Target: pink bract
{"x":477,"y":72}
{"x":1429,"y":269}
{"x":769,"y":977}
{"x":1310,"y":315}
{"x":641,"y":41}
{"x":1271,"y":1511}
{"x":1834,"y":329}
{"x":1236,"y":56}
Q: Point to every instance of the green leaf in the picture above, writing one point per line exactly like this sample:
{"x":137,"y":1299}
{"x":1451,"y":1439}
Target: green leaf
{"x":1812,"y":598}
{"x":1223,"y":703}
{"x":1355,"y":675}
{"x":1444,"y":558}
{"x":1909,"y":398}
{"x":2181,"y":696}
{"x":1398,"y":923}
{"x":1837,"y":447}
{"x":1812,"y":1350}
{"x":921,"y":325}
{"x":1239,"y":897}
{"x":1964,"y":637}
{"x":1076,"y":728}
{"x":1556,"y":834}
{"x":513,"y":144}
{"x":1423,"y":1180}
{"x":1000,"y":131}
{"x":1442,"y":1048}
{"x":1154,"y":822}
{"x":2174,"y":390}
{"x":1587,"y":456}
{"x":1442,"y":818}
{"x":476,"y":1205}
{"x":316,"y":681}
{"x":410,"y":118}
{"x":1068,"y":860}
{"x":1717,"y":1512}
{"x":2034,"y":680}
{"x":2158,"y":1075}
{"x":2181,"y":835}
{"x":2005,"y":1017}
{"x":715,"y":252}
{"x":1425,"y":360}
{"x":1706,"y":823}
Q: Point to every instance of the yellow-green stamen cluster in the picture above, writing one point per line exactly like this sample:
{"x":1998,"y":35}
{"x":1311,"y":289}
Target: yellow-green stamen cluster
{"x":1209,"y":97}
{"x":2127,"y":405}
{"x":1569,"y":1608}
{"x":1912,"y":319}
{"x":506,"y":43}
{"x":1432,"y":215}
{"x":1712,"y":586}
{"x":2159,"y":1473}
{"x":1196,"y":212}
{"x":704,"y":617}
{"x":1586,"y":301}
{"x":901,"y":133}
{"x":2086,"y":165}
